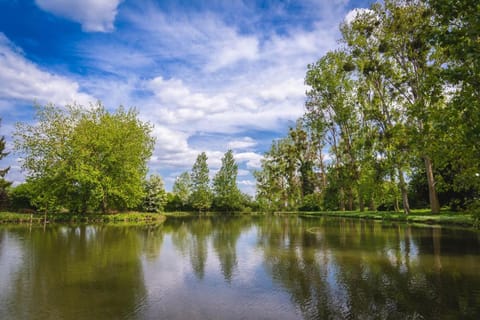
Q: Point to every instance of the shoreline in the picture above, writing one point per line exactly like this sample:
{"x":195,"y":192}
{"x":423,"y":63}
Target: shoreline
{"x":454,"y":219}
{"x":447,"y":218}
{"x":116,"y":218}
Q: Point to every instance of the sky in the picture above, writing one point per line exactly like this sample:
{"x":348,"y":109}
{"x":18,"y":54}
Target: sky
{"x":208,"y":75}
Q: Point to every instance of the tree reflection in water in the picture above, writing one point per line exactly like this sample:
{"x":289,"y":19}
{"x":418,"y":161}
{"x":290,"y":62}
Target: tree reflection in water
{"x":275,"y":267}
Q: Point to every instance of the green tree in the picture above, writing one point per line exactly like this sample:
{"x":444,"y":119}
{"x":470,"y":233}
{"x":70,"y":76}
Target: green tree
{"x":457,"y":34}
{"x":381,"y":107}
{"x":406,"y":28}
{"x":86,"y":158}
{"x":227,"y":196}
{"x":201,"y":197}
{"x":182,"y":189}
{"x":20,"y":197}
{"x":331,"y":103}
{"x":155,"y":197}
{"x":4,"y":184}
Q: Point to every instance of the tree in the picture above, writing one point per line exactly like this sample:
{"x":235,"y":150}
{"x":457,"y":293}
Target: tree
{"x":182,"y":189}
{"x":155,"y":197}
{"x":86,"y":158}
{"x":4,"y":184}
{"x":201,"y":197}
{"x":406,"y":29}
{"x":227,"y":195}
{"x":457,"y":32}
{"x":331,"y":103}
{"x":21,"y":196}
{"x":381,"y":107}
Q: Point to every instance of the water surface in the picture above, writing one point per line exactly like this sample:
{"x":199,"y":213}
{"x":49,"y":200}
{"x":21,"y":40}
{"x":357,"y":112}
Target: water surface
{"x":240,"y":268}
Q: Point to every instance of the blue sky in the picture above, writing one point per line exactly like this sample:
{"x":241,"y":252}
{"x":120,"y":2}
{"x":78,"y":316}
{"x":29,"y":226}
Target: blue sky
{"x":209,"y":75}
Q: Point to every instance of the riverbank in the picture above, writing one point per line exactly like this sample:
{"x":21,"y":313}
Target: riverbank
{"x":124,"y":217}
{"x":416,"y":216}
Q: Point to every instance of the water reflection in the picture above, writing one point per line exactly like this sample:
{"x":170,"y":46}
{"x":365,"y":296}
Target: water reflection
{"x":74,"y":273}
{"x":352,"y":269}
{"x":244,"y":267}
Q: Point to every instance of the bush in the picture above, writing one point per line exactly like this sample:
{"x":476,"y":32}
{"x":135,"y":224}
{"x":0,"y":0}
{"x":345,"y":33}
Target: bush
{"x":311,"y":202}
{"x":474,"y":208}
{"x":21,"y":198}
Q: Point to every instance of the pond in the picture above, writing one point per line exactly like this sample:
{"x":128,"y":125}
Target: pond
{"x":271,"y":267}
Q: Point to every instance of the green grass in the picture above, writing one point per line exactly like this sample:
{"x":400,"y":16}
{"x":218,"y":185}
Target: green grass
{"x":124,"y":217}
{"x":416,"y":216}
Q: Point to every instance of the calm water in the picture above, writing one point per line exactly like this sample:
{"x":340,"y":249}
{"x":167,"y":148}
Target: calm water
{"x":240,"y":268}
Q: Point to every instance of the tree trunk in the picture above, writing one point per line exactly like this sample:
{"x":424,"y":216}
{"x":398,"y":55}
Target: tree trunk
{"x":432,"y":192}
{"x":342,"y":199}
{"x":350,"y":199}
{"x":403,"y":189}
{"x":104,"y":204}
{"x":360,"y":201}
{"x":396,"y":207}
{"x":372,"y":206}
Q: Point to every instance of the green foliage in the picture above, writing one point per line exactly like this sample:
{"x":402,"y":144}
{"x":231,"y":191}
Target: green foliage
{"x":182,"y":189}
{"x":86,"y":159}
{"x":312,"y":202}
{"x":292,"y":169}
{"x":403,"y":93}
{"x":474,"y":208}
{"x":155,"y":197}
{"x":201,"y":196}
{"x":227,"y":196}
{"x":21,"y":197}
{"x":4,"y":184}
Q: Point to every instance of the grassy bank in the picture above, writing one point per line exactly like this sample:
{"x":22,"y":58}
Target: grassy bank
{"x":416,"y":216}
{"x":126,"y":217}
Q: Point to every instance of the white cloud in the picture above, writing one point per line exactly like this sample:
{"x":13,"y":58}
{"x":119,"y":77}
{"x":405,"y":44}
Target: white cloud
{"x":252,"y":159}
{"x":201,"y":38}
{"x":233,"y":49}
{"x":24,"y":81}
{"x":244,"y":143}
{"x":247,"y":182}
{"x":224,"y":81}
{"x":186,"y":105}
{"x":242,"y":173}
{"x":93,"y":15}
{"x":284,"y":89}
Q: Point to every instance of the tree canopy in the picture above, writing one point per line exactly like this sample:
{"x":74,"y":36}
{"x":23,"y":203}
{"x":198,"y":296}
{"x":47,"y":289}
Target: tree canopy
{"x":395,"y":105}
{"x":4,"y":184}
{"x":201,"y":196}
{"x":227,"y":194}
{"x":85,"y":158}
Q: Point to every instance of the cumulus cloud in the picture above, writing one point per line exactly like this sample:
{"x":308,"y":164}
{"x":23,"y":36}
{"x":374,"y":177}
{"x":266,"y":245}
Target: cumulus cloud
{"x":24,"y":81}
{"x":251,"y":159}
{"x":93,"y":15}
{"x":243,"y":143}
{"x":233,"y":49}
{"x":190,"y":73}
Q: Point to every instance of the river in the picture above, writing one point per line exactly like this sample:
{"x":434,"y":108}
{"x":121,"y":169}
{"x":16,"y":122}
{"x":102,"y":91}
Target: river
{"x":249,"y":267}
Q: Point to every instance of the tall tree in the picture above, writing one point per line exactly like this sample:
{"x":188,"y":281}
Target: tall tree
{"x":86,"y":158}
{"x":201,"y":197}
{"x":182,"y":189}
{"x":457,"y":34}
{"x":155,"y":195}
{"x":330,"y":101}
{"x":227,"y":195}
{"x":383,"y":117}
{"x":4,"y":184}
{"x":406,"y":41}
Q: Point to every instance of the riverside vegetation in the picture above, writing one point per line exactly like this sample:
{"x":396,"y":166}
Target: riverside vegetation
{"x":392,"y":124}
